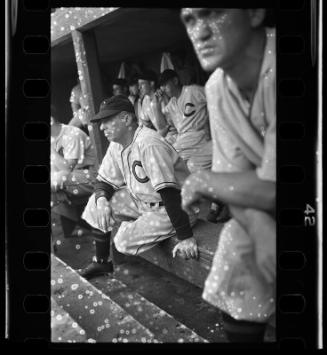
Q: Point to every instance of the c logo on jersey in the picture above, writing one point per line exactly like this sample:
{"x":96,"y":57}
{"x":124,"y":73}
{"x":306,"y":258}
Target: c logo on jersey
{"x":142,"y":180}
{"x":188,"y":110}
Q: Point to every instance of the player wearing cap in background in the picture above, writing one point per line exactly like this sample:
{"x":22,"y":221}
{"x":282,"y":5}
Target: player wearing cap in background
{"x":150,"y":112}
{"x":72,"y":172}
{"x":240,"y":51}
{"x":139,"y":180}
{"x":187,"y":108}
{"x":120,"y":87}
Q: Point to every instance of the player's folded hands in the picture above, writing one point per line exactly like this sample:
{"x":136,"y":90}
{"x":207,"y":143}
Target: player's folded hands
{"x":187,"y":249}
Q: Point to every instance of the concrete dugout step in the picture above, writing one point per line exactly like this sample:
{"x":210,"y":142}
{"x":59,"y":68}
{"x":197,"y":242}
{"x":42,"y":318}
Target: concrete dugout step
{"x":161,"y":325}
{"x":101,"y":318}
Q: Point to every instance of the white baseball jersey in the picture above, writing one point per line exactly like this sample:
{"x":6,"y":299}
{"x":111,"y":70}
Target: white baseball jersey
{"x":73,"y":143}
{"x":146,"y":112}
{"x":190,"y":117}
{"x":147,"y":165}
{"x":244,"y":138}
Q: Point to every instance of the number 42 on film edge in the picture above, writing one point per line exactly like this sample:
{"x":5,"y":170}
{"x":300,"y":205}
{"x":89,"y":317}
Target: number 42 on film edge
{"x":309,"y":221}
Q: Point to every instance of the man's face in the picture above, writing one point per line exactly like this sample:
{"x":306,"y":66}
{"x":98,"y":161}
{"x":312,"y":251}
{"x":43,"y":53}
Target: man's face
{"x":169,"y":88}
{"x":134,"y":90}
{"x":118,"y":90}
{"x":218,"y":35}
{"x":145,"y":87}
{"x":113,"y":128}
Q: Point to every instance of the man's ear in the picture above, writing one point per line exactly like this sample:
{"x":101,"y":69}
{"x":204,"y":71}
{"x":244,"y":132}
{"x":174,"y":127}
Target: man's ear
{"x":257,"y":17}
{"x":128,"y":118}
{"x":175,"y":81}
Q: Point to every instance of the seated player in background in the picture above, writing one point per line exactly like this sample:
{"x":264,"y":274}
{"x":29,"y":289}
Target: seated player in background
{"x":138,"y":185}
{"x":150,"y":114}
{"x":187,"y":109}
{"x":240,"y":51}
{"x":120,"y":87}
{"x":72,"y":172}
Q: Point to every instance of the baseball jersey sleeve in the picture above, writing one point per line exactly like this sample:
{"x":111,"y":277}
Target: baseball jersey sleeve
{"x":109,"y":170}
{"x":158,"y":164}
{"x":75,"y":144}
{"x":199,"y":95}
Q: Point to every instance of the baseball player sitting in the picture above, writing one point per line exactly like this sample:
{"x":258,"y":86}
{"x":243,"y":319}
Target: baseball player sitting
{"x":240,"y":52}
{"x":150,"y":112}
{"x":72,"y":172}
{"x":120,"y":87}
{"x":187,"y":108}
{"x":138,"y":184}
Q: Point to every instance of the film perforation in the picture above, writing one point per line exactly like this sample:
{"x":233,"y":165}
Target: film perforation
{"x":291,"y":45}
{"x":291,"y":88}
{"x":36,"y":261}
{"x":36,"y":131}
{"x":36,"y":217}
{"x":36,"y":174}
{"x":36,"y":303}
{"x":292,"y":303}
{"x":292,"y":260}
{"x":291,"y":217}
{"x":36,"y":45}
{"x":291,"y":130}
{"x":36,"y":88}
{"x":291,"y":174}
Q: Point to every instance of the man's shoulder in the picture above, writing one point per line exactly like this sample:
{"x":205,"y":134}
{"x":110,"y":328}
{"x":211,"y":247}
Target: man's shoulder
{"x":215,"y":79}
{"x":193,"y":89}
{"x":73,"y":131}
{"x":148,"y":137}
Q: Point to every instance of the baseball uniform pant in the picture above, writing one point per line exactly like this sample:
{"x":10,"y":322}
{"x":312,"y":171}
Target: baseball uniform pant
{"x":141,"y":226}
{"x":78,"y":187}
{"x":235,"y":284}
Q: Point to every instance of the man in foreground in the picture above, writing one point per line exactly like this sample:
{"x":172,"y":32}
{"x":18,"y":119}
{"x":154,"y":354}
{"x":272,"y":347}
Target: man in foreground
{"x":240,"y":51}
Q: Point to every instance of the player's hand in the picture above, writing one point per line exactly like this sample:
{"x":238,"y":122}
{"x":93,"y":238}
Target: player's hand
{"x":191,"y":192}
{"x":187,"y":249}
{"x":158,"y":95}
{"x":57,"y":180}
{"x":104,"y":214}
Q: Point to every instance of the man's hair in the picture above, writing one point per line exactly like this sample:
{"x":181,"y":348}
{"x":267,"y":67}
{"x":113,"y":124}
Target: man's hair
{"x":120,"y":82}
{"x":149,"y":75}
{"x":133,"y":81}
{"x":167,"y":75}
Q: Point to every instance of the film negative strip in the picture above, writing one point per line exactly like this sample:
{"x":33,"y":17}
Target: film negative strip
{"x":32,"y":52}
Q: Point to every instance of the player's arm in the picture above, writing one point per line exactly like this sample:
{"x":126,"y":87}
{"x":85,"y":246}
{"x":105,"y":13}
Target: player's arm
{"x":160,"y":123}
{"x":171,"y":198}
{"x":242,"y":189}
{"x":76,"y":122}
{"x":61,"y":163}
{"x":187,"y":246}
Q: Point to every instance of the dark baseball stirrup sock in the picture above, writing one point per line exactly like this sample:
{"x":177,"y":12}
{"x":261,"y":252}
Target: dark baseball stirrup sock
{"x":239,"y":331}
{"x":102,"y":248}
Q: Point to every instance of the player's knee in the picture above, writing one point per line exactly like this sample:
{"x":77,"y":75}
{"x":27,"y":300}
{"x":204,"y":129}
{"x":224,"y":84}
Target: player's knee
{"x":123,"y":247}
